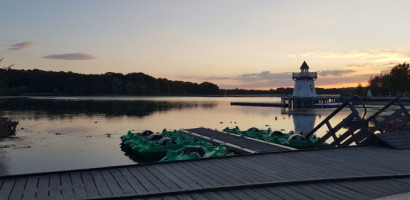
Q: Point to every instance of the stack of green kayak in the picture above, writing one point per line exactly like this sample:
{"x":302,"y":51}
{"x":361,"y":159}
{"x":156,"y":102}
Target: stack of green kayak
{"x":195,"y":152}
{"x":148,"y":145}
{"x":290,"y":139}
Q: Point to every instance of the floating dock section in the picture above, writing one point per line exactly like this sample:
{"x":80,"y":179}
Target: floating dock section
{"x":236,"y":143}
{"x":258,"y":104}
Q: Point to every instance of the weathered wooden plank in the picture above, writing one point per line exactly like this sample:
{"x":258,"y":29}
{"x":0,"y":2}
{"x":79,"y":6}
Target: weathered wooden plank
{"x":249,"y":171}
{"x":67,"y":186}
{"x":55,"y":191}
{"x":389,"y":185}
{"x":309,"y":192}
{"x":31,"y":187}
{"x":278,"y":191}
{"x":7,"y":187}
{"x":138,"y":187}
{"x":111,"y":183}
{"x":174,"y":177}
{"x":43,"y":187}
{"x":372,"y":162}
{"x":353,"y":185}
{"x":242,"y":195}
{"x":167,"y":181}
{"x":343,"y":191}
{"x":189,"y":180}
{"x":144,"y":180}
{"x":219,"y":167}
{"x":299,"y":193}
{"x":266,"y":193}
{"x":283,"y":170}
{"x":18,"y":188}
{"x":208,"y":182}
{"x":100,"y":183}
{"x":125,"y":186}
{"x":349,"y":163}
{"x":158,"y":183}
{"x":213,"y":195}
{"x":78,"y":185}
{"x":199,"y":196}
{"x":228,"y":176}
{"x":265,"y":171}
{"x":89,"y":185}
{"x":240,"y":171}
{"x":213,"y":177}
{"x":169,"y":198}
{"x":255,"y":194}
{"x":184,"y":197}
{"x":1,"y":182}
{"x":227,"y":195}
{"x":323,"y":193}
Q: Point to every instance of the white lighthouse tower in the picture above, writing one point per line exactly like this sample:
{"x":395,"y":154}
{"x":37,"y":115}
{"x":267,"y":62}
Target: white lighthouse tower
{"x":304,"y":82}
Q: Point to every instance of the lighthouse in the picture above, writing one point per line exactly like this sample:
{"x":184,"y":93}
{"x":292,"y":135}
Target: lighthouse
{"x":304,"y":82}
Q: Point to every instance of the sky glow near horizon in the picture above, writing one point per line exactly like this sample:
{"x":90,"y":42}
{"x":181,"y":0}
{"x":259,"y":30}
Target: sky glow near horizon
{"x":233,"y":43}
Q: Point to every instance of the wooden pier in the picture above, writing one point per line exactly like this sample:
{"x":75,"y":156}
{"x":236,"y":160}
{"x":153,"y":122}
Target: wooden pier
{"x":340,"y":173}
{"x":236,"y":143}
{"x":272,"y":104}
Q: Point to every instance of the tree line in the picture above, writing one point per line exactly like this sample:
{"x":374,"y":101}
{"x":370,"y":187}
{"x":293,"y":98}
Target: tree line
{"x":14,"y":82}
{"x":396,"y":82}
{"x":39,"y":82}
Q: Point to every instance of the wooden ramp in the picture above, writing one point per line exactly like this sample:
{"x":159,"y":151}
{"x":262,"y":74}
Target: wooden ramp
{"x":361,"y":131}
{"x":339,"y":173}
{"x":396,"y":139}
{"x":235,"y":142}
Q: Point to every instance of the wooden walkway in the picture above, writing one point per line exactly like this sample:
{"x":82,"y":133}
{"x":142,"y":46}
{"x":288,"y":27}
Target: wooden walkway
{"x":339,"y":173}
{"x":235,"y":142}
{"x":272,"y":104}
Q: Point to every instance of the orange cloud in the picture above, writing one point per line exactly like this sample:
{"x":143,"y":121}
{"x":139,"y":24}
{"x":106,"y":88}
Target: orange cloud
{"x":21,"y":45}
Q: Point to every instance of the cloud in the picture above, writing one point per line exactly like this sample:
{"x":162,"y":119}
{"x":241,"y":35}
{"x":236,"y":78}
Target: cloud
{"x":357,"y":78}
{"x":335,"y":72}
{"x":21,"y":45}
{"x":375,"y":55}
{"x":267,"y":79}
{"x":70,"y":56}
{"x":265,"y":75}
{"x":206,"y":78}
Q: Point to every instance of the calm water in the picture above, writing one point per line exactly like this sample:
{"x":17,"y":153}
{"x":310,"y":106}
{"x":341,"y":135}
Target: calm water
{"x":83,"y":132}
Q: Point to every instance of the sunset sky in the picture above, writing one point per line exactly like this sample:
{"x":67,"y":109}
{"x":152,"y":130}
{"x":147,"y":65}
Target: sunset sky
{"x":233,"y":43}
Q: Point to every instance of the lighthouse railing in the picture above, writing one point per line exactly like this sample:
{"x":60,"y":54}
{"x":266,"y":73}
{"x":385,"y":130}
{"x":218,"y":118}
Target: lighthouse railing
{"x":304,"y":75}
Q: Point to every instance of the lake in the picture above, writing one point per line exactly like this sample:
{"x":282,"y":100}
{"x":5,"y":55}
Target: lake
{"x":63,"y":133}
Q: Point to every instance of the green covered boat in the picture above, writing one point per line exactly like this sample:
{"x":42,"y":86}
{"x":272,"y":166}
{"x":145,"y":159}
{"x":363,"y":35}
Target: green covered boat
{"x":195,"y":152}
{"x":290,"y":139}
{"x":150,"y":146}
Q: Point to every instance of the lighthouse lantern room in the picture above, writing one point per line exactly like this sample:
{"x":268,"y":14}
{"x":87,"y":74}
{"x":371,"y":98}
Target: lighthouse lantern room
{"x":304,"y":82}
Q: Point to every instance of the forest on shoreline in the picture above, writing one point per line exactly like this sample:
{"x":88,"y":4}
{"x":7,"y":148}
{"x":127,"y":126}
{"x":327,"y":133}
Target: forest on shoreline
{"x":14,"y":82}
{"x":35,"y":82}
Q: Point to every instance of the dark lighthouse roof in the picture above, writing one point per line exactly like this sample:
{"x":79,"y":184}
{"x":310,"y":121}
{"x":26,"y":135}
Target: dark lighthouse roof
{"x":304,"y":65}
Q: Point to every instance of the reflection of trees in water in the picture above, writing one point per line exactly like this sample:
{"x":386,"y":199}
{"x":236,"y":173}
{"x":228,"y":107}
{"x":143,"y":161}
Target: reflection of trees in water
{"x":52,"y":108}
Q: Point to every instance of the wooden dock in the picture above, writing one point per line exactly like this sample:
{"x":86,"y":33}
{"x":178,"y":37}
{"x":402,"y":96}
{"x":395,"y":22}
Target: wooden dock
{"x":365,"y":172}
{"x":236,"y":143}
{"x":272,"y":104}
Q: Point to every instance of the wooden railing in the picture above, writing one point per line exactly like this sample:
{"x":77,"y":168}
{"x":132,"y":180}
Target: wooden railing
{"x":359,"y":132}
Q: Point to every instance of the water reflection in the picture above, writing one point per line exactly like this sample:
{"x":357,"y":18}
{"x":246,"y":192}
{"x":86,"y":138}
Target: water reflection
{"x":304,"y":122}
{"x":52,"y":108}
{"x":73,"y":133}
